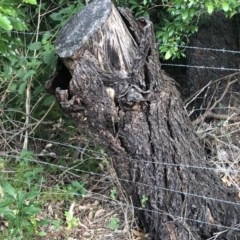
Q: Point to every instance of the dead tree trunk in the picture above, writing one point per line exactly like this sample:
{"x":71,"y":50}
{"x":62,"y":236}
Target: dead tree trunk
{"x":110,"y":82}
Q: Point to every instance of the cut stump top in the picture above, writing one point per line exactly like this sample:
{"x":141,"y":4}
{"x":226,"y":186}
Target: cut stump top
{"x":83,"y":25}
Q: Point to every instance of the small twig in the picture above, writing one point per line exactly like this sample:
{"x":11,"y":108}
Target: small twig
{"x":209,"y":112}
{"x":197,"y":94}
{"x":29,"y":86}
{"x":41,"y":120}
{"x":194,"y":96}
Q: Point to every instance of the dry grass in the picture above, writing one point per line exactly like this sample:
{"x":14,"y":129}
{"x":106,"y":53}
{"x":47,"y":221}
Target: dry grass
{"x":103,"y":213}
{"x":218,"y":125}
{"x":93,"y":214}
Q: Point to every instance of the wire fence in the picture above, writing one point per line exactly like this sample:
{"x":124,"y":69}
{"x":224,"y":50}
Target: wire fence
{"x":223,"y":50}
{"x":218,"y":68}
{"x":201,"y":67}
{"x":97,"y":155}
{"x":105,"y":198}
{"x":136,"y":183}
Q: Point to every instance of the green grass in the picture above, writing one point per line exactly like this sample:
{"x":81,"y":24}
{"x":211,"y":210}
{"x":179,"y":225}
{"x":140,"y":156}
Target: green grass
{"x":26,"y":185}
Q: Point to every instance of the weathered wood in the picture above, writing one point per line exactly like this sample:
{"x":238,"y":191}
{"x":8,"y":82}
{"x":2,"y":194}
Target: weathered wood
{"x":118,"y":94}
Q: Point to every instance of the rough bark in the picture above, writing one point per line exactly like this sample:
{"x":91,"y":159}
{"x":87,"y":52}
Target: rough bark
{"x":111,"y":83}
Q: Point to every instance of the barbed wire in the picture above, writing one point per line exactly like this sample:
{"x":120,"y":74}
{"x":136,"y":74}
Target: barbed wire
{"x":98,"y":155}
{"x":128,"y":181}
{"x":223,"y":50}
{"x":222,"y":68}
{"x":165,"y":189}
{"x":98,"y":196}
{"x":180,"y":218}
{"x":201,"y":67}
{"x":140,"y":160}
{"x":160,"y":163}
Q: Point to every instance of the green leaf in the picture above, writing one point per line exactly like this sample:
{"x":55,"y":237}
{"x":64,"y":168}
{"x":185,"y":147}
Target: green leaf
{"x":7,"y":213}
{"x":50,"y":57}
{"x":56,"y":16}
{"x":79,"y":187}
{"x":12,"y":87}
{"x":46,"y":37}
{"x":22,"y":87}
{"x":7,"y":188}
{"x":185,"y":15}
{"x":210,"y":8}
{"x":30,"y":210}
{"x":28,"y":74}
{"x":32,"y":194}
{"x":18,"y":24}
{"x":4,"y":204}
{"x":48,"y":100}
{"x":5,"y":23}
{"x":168,"y":55}
{"x":42,"y":234}
{"x":33,"y":2}
{"x":26,"y":155}
{"x":35,"y":46}
{"x":8,"y":10}
{"x":113,"y":223}
{"x":225,"y":6}
{"x":20,"y":198}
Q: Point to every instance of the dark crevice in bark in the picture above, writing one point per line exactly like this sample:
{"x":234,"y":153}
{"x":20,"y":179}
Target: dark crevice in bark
{"x":147,"y":80}
{"x":166,"y":177}
{"x":171,"y":133}
{"x":130,"y":24}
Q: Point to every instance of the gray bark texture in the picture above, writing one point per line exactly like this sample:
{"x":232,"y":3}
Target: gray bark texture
{"x":109,"y":80}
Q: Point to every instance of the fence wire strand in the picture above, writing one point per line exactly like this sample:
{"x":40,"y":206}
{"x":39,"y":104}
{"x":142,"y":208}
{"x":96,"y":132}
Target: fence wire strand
{"x":98,"y":155}
{"x":223,"y":50}
{"x":128,"y":181}
{"x":144,"y":161}
{"x":180,"y":218}
{"x":201,"y":67}
{"x":97,"y":196}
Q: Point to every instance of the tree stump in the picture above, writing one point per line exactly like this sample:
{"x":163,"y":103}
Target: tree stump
{"x":109,"y":80}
